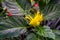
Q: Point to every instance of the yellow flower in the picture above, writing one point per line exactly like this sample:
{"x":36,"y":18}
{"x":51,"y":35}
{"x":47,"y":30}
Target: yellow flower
{"x":36,"y":21}
{"x":31,"y":0}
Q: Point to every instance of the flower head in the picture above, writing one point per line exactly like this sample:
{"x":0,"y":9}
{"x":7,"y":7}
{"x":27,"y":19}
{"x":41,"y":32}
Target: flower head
{"x":36,"y":20}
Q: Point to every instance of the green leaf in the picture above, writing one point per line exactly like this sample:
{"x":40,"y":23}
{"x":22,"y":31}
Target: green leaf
{"x":57,"y":33}
{"x":13,"y":32}
{"x":25,"y":4}
{"x":53,"y":15}
{"x":12,"y":22}
{"x":52,"y":11}
{"x":45,"y":31}
{"x":57,"y":37}
{"x":31,"y":36}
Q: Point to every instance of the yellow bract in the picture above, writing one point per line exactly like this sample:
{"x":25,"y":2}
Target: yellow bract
{"x":31,"y":0}
{"x":36,"y":21}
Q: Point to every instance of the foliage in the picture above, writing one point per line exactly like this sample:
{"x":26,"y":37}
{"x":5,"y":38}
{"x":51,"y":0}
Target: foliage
{"x":17,"y":26}
{"x":46,"y":32}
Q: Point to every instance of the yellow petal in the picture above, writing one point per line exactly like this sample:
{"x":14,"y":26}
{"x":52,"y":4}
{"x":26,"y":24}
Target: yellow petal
{"x":31,"y":0}
{"x":27,"y":17}
{"x":30,"y":17}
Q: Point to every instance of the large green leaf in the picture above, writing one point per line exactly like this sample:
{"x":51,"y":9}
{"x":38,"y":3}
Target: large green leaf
{"x":31,"y":36}
{"x":52,"y":11}
{"x":57,"y":37}
{"x":12,"y":22}
{"x":25,"y":4}
{"x":46,"y":32}
{"x":57,"y":33}
{"x":13,"y":32}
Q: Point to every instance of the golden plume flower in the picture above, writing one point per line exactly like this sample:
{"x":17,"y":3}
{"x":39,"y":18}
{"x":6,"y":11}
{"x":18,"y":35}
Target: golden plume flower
{"x":31,"y":0}
{"x":36,"y":20}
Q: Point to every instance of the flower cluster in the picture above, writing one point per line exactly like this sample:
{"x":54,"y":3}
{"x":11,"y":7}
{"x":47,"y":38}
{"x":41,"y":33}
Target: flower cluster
{"x":36,"y":20}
